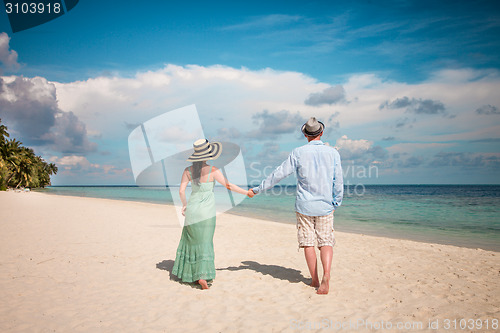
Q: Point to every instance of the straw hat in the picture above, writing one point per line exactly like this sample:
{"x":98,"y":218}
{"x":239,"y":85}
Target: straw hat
{"x":204,"y":151}
{"x":312,"y":127}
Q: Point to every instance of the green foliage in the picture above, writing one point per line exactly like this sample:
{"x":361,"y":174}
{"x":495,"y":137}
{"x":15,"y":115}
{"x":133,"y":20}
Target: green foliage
{"x":19,"y":166}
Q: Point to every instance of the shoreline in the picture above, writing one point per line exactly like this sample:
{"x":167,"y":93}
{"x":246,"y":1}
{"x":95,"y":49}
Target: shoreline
{"x":427,"y":236}
{"x":86,"y":264}
{"x":420,"y":238}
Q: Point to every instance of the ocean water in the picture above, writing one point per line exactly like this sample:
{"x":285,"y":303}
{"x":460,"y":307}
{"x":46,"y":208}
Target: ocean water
{"x":462,"y":215}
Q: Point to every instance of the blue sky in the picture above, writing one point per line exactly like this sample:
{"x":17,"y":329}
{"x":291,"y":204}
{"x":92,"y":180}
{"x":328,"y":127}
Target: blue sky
{"x":408,"y":87}
{"x":324,"y":39}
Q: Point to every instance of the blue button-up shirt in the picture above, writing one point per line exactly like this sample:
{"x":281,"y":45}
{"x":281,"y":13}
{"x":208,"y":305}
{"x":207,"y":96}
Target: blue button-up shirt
{"x":320,"y":186}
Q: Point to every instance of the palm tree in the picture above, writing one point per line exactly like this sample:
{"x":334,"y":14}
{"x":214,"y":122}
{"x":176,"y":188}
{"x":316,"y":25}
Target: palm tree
{"x":26,"y":169}
{"x":19,"y":166}
{"x":3,"y":165}
{"x":3,"y":133}
{"x":43,"y":172}
{"x":51,"y":169}
{"x":11,"y":153}
{"x":3,"y":174}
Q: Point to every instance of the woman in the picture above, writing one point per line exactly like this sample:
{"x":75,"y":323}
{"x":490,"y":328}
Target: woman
{"x":194,"y":261}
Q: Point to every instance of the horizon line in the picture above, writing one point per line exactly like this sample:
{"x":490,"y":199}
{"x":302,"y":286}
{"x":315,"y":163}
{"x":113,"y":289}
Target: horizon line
{"x":278,"y":185}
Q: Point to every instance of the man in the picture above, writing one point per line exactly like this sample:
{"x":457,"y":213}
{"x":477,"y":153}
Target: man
{"x":320,"y":188}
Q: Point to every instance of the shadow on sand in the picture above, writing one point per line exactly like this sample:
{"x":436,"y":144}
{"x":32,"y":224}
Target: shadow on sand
{"x":277,"y":272}
{"x":168,"y":265}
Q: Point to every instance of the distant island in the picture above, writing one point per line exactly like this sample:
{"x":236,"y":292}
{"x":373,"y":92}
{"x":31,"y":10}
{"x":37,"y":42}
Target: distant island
{"x":19,"y":166}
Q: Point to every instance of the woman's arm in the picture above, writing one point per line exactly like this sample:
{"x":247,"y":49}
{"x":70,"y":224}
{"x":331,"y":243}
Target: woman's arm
{"x":182,"y":189}
{"x":218,"y":176}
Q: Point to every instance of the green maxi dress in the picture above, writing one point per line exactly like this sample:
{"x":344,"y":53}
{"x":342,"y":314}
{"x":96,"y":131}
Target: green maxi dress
{"x":195,"y":253}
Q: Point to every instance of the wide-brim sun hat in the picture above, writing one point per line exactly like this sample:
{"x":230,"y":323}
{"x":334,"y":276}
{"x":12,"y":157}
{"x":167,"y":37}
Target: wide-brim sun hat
{"x":204,"y":151}
{"x":313,"y":127}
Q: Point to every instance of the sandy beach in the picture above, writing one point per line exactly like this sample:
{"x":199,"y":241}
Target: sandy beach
{"x":73,"y":264}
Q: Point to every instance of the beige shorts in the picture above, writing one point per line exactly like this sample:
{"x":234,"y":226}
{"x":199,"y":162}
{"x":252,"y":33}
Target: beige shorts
{"x":315,"y":228}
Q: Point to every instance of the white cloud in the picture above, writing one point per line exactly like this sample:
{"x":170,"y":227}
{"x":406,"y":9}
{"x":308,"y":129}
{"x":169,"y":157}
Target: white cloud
{"x":469,"y":160}
{"x":272,"y":125}
{"x":488,"y":109}
{"x":330,"y":95}
{"x":73,"y":161}
{"x":8,"y":58}
{"x":362,"y":116}
{"x":472,"y":134}
{"x":29,"y":107}
{"x":265,"y":22}
{"x":353,"y":146}
{"x":272,"y":155}
{"x":228,"y":97}
{"x":238,"y":104}
{"x":75,"y":164}
{"x":225,"y":97}
{"x":417,"y":147}
{"x":361,"y":151}
{"x":414,"y":105}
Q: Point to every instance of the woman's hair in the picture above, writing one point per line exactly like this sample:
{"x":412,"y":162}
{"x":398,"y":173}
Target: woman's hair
{"x":196,"y":173}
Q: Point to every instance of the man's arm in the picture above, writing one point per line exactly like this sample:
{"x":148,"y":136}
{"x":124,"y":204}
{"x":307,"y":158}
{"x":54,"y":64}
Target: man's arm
{"x":338,"y":182}
{"x":284,"y":170}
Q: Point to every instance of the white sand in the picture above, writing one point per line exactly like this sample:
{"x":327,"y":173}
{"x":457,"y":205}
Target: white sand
{"x":70,"y":264}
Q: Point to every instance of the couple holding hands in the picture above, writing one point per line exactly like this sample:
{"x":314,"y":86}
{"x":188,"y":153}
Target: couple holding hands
{"x":319,"y":191}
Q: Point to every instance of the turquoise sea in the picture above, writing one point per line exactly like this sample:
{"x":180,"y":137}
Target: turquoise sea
{"x":462,"y":215}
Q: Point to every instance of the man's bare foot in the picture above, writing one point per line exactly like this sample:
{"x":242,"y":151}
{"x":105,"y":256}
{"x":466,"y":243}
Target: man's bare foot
{"x":324,"y":288}
{"x":203,"y":284}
